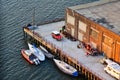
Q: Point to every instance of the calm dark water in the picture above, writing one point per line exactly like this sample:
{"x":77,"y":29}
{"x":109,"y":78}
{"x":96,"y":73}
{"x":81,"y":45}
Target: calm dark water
{"x":13,"y":15}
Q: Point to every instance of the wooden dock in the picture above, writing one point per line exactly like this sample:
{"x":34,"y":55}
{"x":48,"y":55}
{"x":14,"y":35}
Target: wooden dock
{"x":67,"y":50}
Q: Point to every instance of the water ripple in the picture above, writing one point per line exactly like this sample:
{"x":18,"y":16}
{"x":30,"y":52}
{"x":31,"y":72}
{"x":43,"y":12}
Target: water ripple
{"x":13,"y":15}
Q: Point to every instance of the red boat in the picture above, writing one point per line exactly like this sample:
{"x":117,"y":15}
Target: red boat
{"x":31,"y":58}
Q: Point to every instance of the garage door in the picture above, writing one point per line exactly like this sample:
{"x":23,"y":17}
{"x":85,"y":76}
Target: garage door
{"x":117,"y":54}
{"x":107,"y":50}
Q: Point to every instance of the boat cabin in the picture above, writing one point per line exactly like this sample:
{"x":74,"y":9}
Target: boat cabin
{"x":113,"y":69}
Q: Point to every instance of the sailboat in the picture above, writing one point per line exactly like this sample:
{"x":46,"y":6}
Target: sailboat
{"x":37,"y":52}
{"x":66,"y":68}
{"x":46,"y":53}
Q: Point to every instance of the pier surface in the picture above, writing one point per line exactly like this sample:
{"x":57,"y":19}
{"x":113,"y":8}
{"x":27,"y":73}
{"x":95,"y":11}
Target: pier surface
{"x":92,"y":63}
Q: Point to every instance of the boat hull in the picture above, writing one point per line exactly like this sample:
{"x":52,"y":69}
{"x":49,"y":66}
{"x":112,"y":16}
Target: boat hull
{"x":64,"y":67}
{"x":26,"y":57}
{"x":37,"y":52}
{"x":46,"y":53}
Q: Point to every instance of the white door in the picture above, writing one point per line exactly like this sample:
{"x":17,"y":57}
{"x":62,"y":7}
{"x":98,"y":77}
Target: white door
{"x":80,"y":36}
{"x":72,"y":31}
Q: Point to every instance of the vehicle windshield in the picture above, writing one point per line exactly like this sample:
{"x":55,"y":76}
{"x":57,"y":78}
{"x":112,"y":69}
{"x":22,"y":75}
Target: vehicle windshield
{"x":57,"y":34}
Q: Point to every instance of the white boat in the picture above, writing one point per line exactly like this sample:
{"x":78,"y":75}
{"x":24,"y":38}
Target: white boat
{"x":37,"y":52}
{"x":113,"y":69}
{"x":66,"y":68}
{"x":47,"y":54}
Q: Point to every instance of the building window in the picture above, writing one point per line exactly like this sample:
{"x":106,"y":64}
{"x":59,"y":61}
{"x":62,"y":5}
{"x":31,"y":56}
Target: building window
{"x":82,"y":26}
{"x":107,"y":40}
{"x":94,"y":33}
{"x":70,"y":19}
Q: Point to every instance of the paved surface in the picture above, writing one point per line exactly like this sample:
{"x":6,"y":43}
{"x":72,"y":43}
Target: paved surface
{"x":70,"y":47}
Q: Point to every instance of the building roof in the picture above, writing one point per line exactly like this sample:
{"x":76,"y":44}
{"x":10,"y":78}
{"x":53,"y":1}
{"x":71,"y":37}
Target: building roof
{"x":105,"y":13}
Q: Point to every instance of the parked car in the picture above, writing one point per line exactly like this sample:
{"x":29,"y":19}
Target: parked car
{"x":56,"y":35}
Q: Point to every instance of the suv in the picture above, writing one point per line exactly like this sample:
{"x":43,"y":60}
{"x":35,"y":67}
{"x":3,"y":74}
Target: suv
{"x":56,"y":35}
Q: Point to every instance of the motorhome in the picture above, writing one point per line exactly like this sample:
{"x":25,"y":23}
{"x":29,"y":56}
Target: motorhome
{"x":113,"y":69}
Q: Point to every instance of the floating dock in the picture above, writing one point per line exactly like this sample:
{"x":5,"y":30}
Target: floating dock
{"x":67,"y":50}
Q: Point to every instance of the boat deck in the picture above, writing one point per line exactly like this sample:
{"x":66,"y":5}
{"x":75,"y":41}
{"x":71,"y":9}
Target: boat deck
{"x":92,"y":63}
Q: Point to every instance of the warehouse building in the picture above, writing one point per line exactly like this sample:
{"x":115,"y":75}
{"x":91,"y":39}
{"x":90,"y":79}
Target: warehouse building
{"x":97,"y":23}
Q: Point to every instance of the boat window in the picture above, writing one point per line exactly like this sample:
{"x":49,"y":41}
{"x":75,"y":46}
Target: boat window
{"x":109,"y":68}
{"x":114,"y":71}
{"x":67,"y":67}
{"x":31,"y":57}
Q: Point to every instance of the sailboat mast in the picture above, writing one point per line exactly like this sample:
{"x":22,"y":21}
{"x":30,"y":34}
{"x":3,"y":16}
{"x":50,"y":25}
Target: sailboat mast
{"x":33,"y":19}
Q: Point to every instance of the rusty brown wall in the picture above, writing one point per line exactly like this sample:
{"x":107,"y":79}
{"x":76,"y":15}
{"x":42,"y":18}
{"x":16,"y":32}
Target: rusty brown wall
{"x":115,"y":48}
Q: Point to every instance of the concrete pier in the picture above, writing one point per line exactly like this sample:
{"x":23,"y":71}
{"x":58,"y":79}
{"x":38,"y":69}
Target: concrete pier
{"x":67,"y":50}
